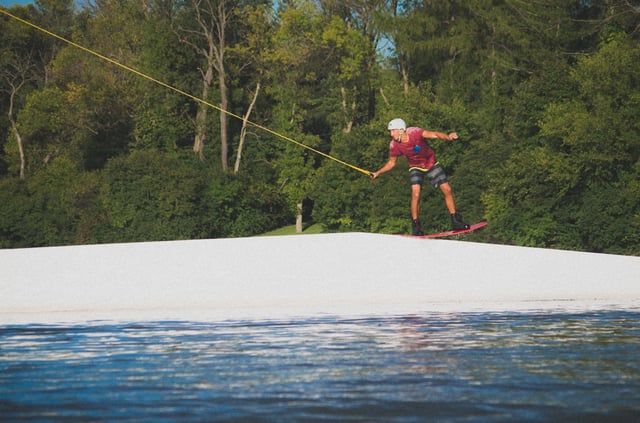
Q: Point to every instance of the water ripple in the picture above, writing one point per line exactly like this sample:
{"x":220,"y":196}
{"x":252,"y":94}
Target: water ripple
{"x":455,"y":367}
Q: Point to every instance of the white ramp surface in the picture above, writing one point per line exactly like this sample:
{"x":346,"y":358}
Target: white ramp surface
{"x":303,"y":275}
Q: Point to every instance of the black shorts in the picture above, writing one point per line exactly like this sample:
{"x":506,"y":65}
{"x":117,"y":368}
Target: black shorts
{"x":436,"y":175}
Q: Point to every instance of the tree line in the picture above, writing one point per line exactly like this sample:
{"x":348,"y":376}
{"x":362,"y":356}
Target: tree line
{"x":545,"y":96}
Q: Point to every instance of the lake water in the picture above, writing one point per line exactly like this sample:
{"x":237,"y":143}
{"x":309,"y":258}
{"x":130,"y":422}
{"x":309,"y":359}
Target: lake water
{"x":479,"y":367}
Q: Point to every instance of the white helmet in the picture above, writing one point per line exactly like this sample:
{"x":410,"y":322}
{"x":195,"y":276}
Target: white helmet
{"x":397,"y":124}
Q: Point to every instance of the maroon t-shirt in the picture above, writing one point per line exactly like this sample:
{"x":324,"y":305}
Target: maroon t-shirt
{"x":416,"y":149}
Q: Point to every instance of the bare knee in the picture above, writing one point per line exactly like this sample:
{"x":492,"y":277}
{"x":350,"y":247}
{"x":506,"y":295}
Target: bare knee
{"x":415,"y":191}
{"x":446,"y":189}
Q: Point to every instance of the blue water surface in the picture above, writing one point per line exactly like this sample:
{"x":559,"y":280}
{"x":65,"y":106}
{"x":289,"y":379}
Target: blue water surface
{"x":478,"y":367}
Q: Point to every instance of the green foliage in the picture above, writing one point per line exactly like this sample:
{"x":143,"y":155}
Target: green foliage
{"x":163,"y":120}
{"x":15,"y":206}
{"x":291,"y":230}
{"x":526,"y":194}
{"x":598,"y":126}
{"x":295,"y":168}
{"x":237,"y":206}
{"x":53,"y":207}
{"x":341,"y":199}
{"x":610,"y":216}
{"x":83,"y":125}
{"x":151,"y":196}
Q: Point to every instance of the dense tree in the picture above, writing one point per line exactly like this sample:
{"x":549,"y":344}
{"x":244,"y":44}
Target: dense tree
{"x":16,"y":73}
{"x":24,"y":58}
{"x":162,"y":119}
{"x":206,"y":30}
{"x":249,"y":65}
{"x":151,"y":196}
{"x":591,"y":146}
{"x":53,"y":206}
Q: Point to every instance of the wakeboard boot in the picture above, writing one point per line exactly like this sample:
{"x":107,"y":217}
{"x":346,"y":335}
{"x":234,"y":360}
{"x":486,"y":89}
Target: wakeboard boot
{"x":416,"y":228}
{"x":457,"y":224}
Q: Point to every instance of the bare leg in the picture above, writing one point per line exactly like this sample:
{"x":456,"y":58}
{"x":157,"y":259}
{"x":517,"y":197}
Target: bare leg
{"x":456,"y":220}
{"x":415,"y":201}
{"x":448,"y":197}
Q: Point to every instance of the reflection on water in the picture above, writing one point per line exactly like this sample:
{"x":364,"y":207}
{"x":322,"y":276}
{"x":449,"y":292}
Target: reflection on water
{"x":473,"y":366}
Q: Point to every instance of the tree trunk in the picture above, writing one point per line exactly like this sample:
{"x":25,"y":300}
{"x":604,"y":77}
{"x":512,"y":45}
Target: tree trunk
{"x":299,"y":218}
{"x":212,"y":18}
{"x":219,"y":31}
{"x":243,"y":132}
{"x":16,"y":133}
{"x":224,"y":105}
{"x":405,"y":76}
{"x":201,"y":115}
{"x":348,"y":114}
{"x":14,"y":128}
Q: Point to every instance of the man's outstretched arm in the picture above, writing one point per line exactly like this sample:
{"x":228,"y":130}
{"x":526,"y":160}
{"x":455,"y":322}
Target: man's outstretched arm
{"x":387,"y":167}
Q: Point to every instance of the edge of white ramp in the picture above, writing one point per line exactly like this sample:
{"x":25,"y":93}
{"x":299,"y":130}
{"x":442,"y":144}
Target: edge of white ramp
{"x":274,"y":277}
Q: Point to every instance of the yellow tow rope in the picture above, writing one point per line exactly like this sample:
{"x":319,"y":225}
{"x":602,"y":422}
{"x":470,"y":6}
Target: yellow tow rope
{"x":184,"y":93}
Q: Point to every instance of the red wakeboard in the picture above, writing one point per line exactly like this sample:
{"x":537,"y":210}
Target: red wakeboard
{"x":451,"y":233}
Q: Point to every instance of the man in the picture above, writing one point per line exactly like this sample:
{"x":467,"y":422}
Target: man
{"x":410,"y":142}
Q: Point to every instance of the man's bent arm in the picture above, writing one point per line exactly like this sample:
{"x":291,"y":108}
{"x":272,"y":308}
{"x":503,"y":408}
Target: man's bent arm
{"x":441,"y":135}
